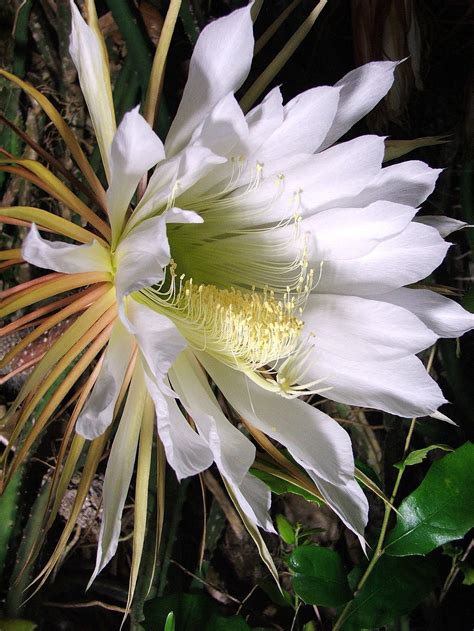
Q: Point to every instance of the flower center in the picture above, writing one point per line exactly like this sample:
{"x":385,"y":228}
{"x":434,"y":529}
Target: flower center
{"x":245,"y":330}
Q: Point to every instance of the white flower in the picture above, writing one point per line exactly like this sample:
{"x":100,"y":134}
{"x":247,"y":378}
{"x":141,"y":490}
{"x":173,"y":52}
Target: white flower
{"x":265,"y":254}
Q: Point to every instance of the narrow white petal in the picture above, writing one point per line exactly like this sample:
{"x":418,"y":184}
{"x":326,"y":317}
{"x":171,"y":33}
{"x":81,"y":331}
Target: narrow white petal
{"x":444,"y":225}
{"x":135,"y":149}
{"x":361,"y":90}
{"x":399,"y":386}
{"x":99,"y":409}
{"x":254,"y":499}
{"x":314,"y":439}
{"x":356,"y":328}
{"x":220,"y":63}
{"x":265,"y":118}
{"x":233,"y":452}
{"x":91,"y":65}
{"x":65,"y":257}
{"x":119,"y":471}
{"x":406,"y":258}
{"x":442,"y":315}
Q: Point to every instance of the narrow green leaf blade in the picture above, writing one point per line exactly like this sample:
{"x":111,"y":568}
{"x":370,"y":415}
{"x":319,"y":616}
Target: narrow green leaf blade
{"x":417,"y":456}
{"x":319,"y":576}
{"x":439,"y":510}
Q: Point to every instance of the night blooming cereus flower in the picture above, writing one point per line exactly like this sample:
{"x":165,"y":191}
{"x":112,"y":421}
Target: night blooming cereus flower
{"x":261,"y":254}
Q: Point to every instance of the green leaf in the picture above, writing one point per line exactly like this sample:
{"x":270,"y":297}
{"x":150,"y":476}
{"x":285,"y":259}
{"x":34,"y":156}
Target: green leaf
{"x":468,"y":572}
{"x":439,"y":510}
{"x":285,"y":529}
{"x":9,"y":502}
{"x":280,"y":487}
{"x":394,"y":588}
{"x":190,"y":612}
{"x":417,"y":456}
{"x":319,"y":576}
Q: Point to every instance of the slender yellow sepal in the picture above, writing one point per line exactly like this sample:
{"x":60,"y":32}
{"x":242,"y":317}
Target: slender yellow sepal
{"x":45,"y":219}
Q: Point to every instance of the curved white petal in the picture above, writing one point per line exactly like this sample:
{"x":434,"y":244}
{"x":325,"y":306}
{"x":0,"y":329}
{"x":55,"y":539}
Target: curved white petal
{"x":399,"y":386}
{"x":314,"y":439}
{"x":254,"y":499}
{"x":88,"y":55}
{"x":99,"y":409}
{"x":233,"y":452}
{"x":444,"y":225}
{"x":118,"y":474}
{"x":307,"y":119}
{"x":361,"y":90}
{"x":265,"y":118}
{"x":442,"y":315}
{"x":406,"y":258}
{"x":224,"y":130}
{"x":186,"y":451}
{"x":407,"y":183}
{"x":356,"y":328}
{"x":348,"y":233}
{"x":144,"y":253}
{"x":65,"y":257}
{"x":220,"y":62}
{"x":135,"y":149}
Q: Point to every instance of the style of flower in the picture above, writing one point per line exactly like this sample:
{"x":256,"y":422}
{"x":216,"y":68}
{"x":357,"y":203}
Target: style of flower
{"x":261,"y":254}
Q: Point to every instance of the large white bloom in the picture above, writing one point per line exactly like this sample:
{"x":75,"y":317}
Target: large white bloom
{"x":273,"y":258}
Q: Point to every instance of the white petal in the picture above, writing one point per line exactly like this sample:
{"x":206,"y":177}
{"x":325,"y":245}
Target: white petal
{"x":99,"y":409}
{"x":88,"y":55}
{"x":219,"y":64}
{"x":307,"y":119}
{"x":233,"y":452}
{"x":347,"y":233}
{"x":349,"y":502}
{"x":135,"y":149}
{"x":224,"y":130}
{"x":158,"y":338}
{"x":361,"y":90}
{"x":265,"y":118}
{"x":399,"y":386}
{"x":144,"y":253}
{"x":65,"y":257}
{"x":444,"y":225}
{"x":314,"y":439}
{"x":442,"y":315}
{"x":311,"y":184}
{"x":254,"y":499}
{"x":186,"y":451}
{"x":407,"y":183}
{"x":356,"y":328}
{"x":402,"y":260}
{"x":119,"y":471}
{"x":172,"y":178}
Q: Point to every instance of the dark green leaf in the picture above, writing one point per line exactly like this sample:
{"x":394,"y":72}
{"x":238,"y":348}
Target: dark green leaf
{"x":439,"y":510}
{"x":319,"y":576}
{"x":17,"y":625}
{"x":394,"y":588}
{"x":417,"y":456}
{"x":285,"y":529}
